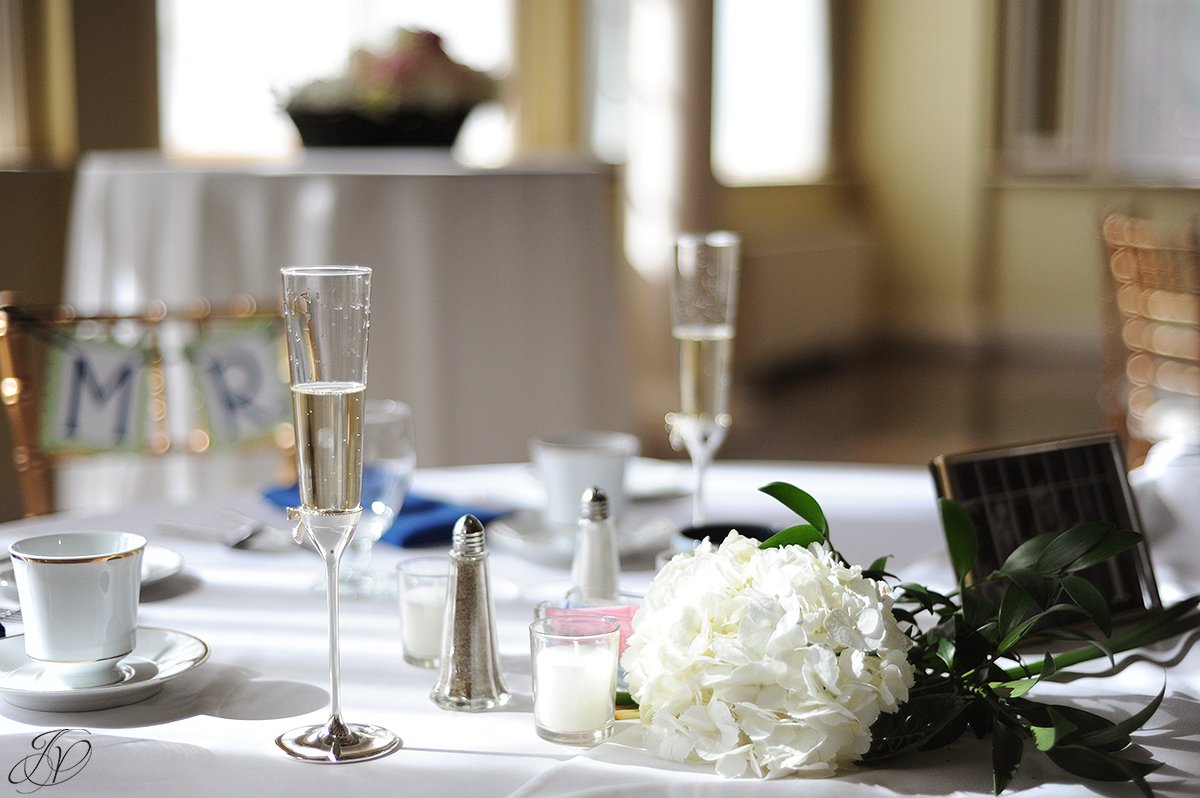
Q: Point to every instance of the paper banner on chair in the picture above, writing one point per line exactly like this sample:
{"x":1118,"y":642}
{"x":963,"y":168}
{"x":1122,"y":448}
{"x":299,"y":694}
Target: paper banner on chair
{"x":96,"y":396}
{"x":237,"y":369}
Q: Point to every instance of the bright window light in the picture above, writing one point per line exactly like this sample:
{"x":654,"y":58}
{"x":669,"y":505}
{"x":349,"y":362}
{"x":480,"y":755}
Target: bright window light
{"x":226,"y":65}
{"x":771,"y":91}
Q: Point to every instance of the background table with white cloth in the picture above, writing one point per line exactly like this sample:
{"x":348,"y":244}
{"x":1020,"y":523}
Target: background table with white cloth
{"x":211,"y":731}
{"x":494,"y":298}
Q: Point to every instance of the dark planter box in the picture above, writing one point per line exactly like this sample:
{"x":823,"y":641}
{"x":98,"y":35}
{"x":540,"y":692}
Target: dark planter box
{"x":400,"y":129}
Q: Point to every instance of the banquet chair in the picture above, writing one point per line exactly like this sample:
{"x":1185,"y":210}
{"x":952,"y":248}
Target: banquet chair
{"x":129,"y":387}
{"x":1152,"y":358}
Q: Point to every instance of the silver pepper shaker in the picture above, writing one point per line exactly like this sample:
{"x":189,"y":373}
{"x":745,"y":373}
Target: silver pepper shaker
{"x":469,"y":678}
{"x":596,"y":565}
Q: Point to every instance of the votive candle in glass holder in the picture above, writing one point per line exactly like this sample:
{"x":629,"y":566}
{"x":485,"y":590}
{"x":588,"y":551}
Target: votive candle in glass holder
{"x":423,"y":608}
{"x":574,"y":677}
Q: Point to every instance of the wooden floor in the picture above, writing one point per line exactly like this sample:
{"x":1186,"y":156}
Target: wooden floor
{"x":906,"y":408}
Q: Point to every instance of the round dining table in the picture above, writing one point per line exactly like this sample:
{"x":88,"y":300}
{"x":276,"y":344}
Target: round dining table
{"x":253,"y":622}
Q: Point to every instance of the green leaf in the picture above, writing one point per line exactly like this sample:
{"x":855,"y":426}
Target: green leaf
{"x":799,"y":535}
{"x":945,"y":651}
{"x":912,"y":593}
{"x":1044,"y":737}
{"x":961,"y":538}
{"x":1116,"y":542}
{"x":1036,"y":586}
{"x":1020,"y":630}
{"x":1163,"y":624}
{"x":1071,"y":545}
{"x":1007,"y":747}
{"x":1116,"y":737}
{"x":1073,"y":720}
{"x":800,"y":503}
{"x":1090,"y":764}
{"x":1013,"y":608}
{"x":1059,"y":732}
{"x":880,"y":564}
{"x":1027,"y":554}
{"x":926,"y":720}
{"x":1084,"y":593}
{"x":1019,"y":687}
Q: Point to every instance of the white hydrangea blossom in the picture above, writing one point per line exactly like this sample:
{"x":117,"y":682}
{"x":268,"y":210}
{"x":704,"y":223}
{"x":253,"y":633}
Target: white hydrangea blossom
{"x":767,"y":662}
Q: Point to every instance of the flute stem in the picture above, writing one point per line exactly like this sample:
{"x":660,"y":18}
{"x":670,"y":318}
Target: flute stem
{"x":700,"y":461}
{"x":335,"y":660}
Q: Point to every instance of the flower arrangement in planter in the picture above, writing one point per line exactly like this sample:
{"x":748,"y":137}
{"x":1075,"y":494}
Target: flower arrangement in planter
{"x":413,"y":94}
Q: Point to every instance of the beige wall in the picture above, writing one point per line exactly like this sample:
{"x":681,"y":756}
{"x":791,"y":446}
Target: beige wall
{"x":1051,"y":272}
{"x":965,"y":255}
{"x":920,"y":115}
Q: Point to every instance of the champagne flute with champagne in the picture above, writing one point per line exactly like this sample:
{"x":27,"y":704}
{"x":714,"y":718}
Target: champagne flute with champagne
{"x":703,"y":301}
{"x":328,"y":313}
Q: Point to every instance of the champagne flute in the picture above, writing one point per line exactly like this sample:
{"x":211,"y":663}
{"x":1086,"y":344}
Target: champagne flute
{"x":327,"y":309}
{"x":703,"y":301}
{"x":389,"y":458}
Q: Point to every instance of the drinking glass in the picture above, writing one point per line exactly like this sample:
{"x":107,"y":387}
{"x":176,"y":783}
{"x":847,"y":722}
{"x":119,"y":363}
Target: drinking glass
{"x":703,"y":301}
{"x":328,"y":312}
{"x":389,"y":458}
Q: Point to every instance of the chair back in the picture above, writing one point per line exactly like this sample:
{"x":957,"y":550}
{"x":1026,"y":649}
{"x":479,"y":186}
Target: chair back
{"x":1153,"y":373}
{"x":160,"y":382}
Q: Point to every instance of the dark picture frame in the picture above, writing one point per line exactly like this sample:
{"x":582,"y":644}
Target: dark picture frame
{"x":1017,"y":492}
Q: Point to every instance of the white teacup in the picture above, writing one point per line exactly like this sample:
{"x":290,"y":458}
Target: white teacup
{"x":570,"y":463}
{"x":79,"y":602}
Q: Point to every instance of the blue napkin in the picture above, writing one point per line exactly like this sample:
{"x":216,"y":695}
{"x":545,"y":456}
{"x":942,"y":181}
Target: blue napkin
{"x":421,"y":521}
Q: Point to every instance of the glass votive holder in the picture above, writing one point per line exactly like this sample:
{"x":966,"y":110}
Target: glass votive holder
{"x":619,"y":608}
{"x":423,"y":608}
{"x":574,"y":677}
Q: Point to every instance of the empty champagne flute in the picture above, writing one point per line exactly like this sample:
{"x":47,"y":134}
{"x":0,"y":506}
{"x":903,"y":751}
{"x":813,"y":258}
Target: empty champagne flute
{"x":703,"y":301}
{"x":327,"y":310}
{"x":389,"y":459}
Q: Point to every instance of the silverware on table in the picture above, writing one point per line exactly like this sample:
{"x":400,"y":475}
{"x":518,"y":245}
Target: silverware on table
{"x":247,"y":533}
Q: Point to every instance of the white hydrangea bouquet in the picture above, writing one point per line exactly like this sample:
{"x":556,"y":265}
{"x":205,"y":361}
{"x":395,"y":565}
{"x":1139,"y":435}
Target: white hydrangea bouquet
{"x":781,"y":658}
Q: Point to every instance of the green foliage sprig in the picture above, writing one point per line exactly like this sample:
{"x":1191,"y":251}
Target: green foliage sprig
{"x":973,"y":670}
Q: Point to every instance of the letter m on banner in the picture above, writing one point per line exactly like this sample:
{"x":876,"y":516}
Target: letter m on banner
{"x":96,"y":396}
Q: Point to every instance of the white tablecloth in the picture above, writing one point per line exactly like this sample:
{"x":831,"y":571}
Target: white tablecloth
{"x":211,"y":732}
{"x":494,"y":307}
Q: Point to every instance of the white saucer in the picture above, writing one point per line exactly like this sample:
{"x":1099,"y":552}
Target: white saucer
{"x":650,"y":479}
{"x":525,"y":533}
{"x":159,"y":656}
{"x":158,"y":563}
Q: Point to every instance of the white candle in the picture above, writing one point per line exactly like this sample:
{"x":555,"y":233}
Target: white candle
{"x":574,"y":686}
{"x":422,"y":614}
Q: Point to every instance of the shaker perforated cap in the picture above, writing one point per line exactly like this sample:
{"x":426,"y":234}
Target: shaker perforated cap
{"x":594,"y":505}
{"x":467,"y":537}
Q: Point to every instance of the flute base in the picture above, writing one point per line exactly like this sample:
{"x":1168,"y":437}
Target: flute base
{"x":336,"y":743}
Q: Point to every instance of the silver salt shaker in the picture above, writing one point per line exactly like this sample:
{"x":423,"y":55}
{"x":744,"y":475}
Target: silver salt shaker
{"x":469,"y":678}
{"x":596,"y":565}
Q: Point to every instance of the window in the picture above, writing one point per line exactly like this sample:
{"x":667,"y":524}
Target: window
{"x":771,"y":84}
{"x":227,"y":65}
{"x":1103,"y":90}
{"x":1155,"y":127}
{"x":770,"y":91}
